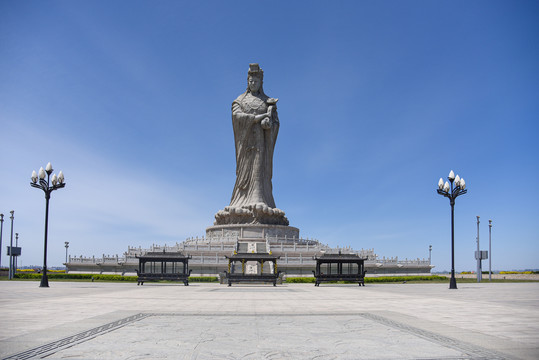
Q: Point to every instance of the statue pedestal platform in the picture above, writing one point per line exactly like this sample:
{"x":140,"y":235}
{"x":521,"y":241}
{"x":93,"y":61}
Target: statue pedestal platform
{"x":251,"y":231}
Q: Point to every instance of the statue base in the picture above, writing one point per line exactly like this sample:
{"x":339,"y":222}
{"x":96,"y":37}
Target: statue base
{"x":252,"y":231}
{"x":251,"y":214}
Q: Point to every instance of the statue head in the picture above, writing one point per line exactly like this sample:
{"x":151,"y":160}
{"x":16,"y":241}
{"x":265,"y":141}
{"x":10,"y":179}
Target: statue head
{"x":255,"y":78}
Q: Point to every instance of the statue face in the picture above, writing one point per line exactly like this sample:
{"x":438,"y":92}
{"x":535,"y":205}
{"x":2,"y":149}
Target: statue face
{"x":254,"y":83}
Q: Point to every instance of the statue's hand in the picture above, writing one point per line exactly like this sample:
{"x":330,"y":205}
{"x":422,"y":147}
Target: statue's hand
{"x":260,"y":117}
{"x":266,"y":124}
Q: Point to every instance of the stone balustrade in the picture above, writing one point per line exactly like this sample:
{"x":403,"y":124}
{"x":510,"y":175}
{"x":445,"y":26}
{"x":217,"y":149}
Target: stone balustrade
{"x":210,"y":253}
{"x":217,"y":258}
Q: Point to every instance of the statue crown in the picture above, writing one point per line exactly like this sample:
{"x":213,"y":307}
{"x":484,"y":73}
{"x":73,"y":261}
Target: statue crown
{"x":254,"y":69}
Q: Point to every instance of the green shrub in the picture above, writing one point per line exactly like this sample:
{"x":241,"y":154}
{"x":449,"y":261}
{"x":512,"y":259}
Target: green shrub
{"x":103,"y":277}
{"x":381,"y":279}
{"x":27,"y":276}
{"x":203,"y":279}
{"x":300,"y":280}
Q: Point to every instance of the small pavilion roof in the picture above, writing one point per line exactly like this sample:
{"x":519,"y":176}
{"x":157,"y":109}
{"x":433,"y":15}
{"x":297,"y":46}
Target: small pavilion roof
{"x":252,"y":256}
{"x":162,"y":255}
{"x":339,"y":257}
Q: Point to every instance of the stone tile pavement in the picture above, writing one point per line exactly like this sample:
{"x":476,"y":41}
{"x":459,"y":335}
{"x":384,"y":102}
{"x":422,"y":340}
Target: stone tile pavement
{"x":79,"y":320}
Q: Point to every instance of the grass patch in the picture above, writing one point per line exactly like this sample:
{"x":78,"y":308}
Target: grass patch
{"x":102,"y":277}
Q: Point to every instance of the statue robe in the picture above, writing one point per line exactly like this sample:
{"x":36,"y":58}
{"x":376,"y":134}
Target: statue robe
{"x":254,"y":151}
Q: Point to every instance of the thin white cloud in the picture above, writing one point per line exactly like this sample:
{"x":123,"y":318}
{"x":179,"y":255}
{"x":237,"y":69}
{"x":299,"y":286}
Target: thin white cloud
{"x":103,"y":208}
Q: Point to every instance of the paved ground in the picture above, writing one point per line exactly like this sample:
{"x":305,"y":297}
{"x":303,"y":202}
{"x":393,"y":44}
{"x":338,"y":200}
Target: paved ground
{"x":299,"y":321}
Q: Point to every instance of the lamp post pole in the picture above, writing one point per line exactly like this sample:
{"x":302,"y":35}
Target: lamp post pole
{"x":452,"y":192}
{"x":489,"y":251}
{"x":57,"y":183}
{"x":1,"y":231}
{"x":11,"y":247}
{"x":430,"y":252}
{"x":66,"y":246}
{"x":478,"y":256}
{"x":16,"y":257}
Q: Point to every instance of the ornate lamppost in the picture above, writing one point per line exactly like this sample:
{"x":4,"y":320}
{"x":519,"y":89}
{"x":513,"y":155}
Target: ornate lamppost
{"x":45,"y":185}
{"x":457,"y":188}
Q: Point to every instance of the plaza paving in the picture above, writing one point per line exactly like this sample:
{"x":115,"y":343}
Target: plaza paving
{"x":79,"y":320}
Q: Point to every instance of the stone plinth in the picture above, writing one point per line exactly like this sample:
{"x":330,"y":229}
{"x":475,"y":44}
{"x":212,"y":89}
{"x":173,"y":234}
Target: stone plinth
{"x":251,"y":231}
{"x":251,"y":214}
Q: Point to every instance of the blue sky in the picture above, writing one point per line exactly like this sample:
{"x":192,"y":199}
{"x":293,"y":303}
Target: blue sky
{"x":378,"y":100}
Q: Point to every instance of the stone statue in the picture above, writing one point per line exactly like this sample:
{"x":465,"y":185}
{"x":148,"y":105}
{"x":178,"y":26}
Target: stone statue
{"x":256,"y":125}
